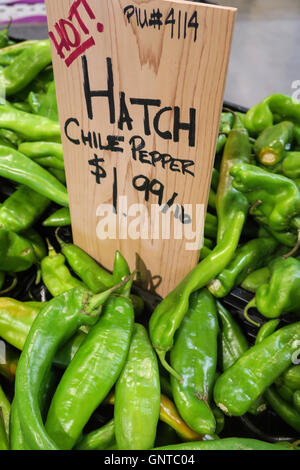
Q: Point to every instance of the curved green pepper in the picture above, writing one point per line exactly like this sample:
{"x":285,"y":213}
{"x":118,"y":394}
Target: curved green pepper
{"x":17,"y":167}
{"x":244,"y":382}
{"x":194,"y":357}
{"x":92,"y":373}
{"x":16,"y":253}
{"x":282,"y":293}
{"x":26,"y":66}
{"x":59,"y":218}
{"x":230,"y":443}
{"x":137,"y":395}
{"x":56,"y":323}
{"x":22,"y":209}
{"x":247,"y":258}
{"x":270,"y":146}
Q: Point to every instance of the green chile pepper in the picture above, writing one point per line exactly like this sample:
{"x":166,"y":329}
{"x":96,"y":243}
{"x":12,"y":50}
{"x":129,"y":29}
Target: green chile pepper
{"x":37,"y":242}
{"x":266,"y":330}
{"x":55,"y":325}
{"x":56,"y":276}
{"x":92,"y":373}
{"x":17,"y":167}
{"x":194,"y":357}
{"x":59,"y":218}
{"x":246,"y":380}
{"x":247,"y":258}
{"x":290,"y":166}
{"x":16,"y":319}
{"x":232,"y":209}
{"x":230,"y":443}
{"x":45,"y":104}
{"x":291,"y":377}
{"x":270,"y":145}
{"x":282,"y":293}
{"x":256,"y":279}
{"x":41,"y":149}
{"x":100,"y":439}
{"x":93,"y":276}
{"x":276,"y":197}
{"x":296,"y":400}
{"x":233,"y":341}
{"x":258,"y":118}
{"x":137,"y":395}
{"x":50,"y":162}
{"x":16,"y":253}
{"x":26,"y":66}
{"x":283,"y":409}
{"x":3,"y":435}
{"x":22,"y":209}
{"x":4,"y":411}
{"x":28,"y":126}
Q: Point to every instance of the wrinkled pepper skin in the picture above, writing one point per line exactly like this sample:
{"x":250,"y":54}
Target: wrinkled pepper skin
{"x":17,"y":167}
{"x":248,"y":257}
{"x":54,"y":326}
{"x":22,"y":209}
{"x":232,"y":208}
{"x":282,"y":293}
{"x":233,"y":340}
{"x":26,"y":66}
{"x":16,"y":253}
{"x":85,"y":267}
{"x":291,"y":165}
{"x":137,"y":395}
{"x":56,"y":276}
{"x":244,"y":382}
{"x":278,"y":197}
{"x":270,"y":146}
{"x":92,"y":373}
{"x":230,"y":443}
{"x":258,"y":118}
{"x":194,"y":357}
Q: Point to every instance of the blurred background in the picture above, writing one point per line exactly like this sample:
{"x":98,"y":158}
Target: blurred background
{"x":265,"y":55}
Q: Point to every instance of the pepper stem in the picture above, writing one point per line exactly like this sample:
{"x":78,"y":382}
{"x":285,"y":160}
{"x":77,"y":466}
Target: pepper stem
{"x":293,"y":250}
{"x":162,"y":357}
{"x":11,"y":286}
{"x":99,"y":299}
{"x":250,"y":304}
{"x":60,"y":241}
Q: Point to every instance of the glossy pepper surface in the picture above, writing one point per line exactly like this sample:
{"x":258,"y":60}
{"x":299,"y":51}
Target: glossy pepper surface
{"x":22,"y":209}
{"x":92,"y":373}
{"x":26,"y":66}
{"x":243,"y":383}
{"x":137,"y":395}
{"x":248,"y":257}
{"x":270,"y":146}
{"x":55,"y":324}
{"x":282,"y":293}
{"x":16,"y":253}
{"x":194,"y":357}
{"x":19,"y":168}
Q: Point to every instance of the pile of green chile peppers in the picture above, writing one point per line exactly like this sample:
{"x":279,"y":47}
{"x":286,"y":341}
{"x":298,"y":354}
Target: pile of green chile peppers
{"x":89,"y":347}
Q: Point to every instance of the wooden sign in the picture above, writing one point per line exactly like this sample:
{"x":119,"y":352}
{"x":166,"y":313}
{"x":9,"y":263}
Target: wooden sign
{"x":140,"y":88}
